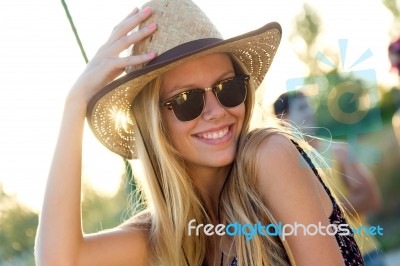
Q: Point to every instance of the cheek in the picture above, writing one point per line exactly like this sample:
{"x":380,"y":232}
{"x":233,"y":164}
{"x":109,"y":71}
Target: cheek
{"x":239,"y":113}
{"x":177,"y":130}
{"x":167,"y":118}
{"x":171,"y":124}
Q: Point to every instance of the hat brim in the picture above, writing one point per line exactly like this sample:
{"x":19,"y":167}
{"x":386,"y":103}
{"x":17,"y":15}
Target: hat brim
{"x":109,"y":111}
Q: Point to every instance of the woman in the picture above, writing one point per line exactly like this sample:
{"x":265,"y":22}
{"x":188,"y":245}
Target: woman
{"x":187,"y":141}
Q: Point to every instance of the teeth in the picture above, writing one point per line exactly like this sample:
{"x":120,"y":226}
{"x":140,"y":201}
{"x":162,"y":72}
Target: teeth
{"x":215,"y":135}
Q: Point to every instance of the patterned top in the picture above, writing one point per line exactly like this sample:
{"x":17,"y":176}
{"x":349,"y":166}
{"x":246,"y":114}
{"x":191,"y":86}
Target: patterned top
{"x":348,"y":247}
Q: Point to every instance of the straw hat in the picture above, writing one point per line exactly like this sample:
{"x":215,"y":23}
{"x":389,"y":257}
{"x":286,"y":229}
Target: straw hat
{"x":183,"y":33}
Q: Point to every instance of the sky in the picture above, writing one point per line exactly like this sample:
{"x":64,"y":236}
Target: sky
{"x":40,"y":60}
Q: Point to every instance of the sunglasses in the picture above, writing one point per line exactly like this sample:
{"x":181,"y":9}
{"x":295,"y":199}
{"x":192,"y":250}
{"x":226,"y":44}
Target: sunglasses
{"x":189,"y":105}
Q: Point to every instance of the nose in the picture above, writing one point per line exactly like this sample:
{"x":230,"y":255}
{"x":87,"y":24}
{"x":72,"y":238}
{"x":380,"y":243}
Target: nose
{"x":212,"y":109}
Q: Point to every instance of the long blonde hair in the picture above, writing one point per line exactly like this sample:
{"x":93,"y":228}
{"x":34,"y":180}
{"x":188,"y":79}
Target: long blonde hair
{"x":172,"y":200}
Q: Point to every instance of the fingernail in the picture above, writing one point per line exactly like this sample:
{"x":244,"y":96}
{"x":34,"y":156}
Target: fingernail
{"x":147,"y":10}
{"x":152,"y":26}
{"x":151,"y":54}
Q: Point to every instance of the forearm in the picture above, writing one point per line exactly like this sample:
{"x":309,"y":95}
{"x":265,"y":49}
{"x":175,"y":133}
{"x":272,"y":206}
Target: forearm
{"x":59,"y":231}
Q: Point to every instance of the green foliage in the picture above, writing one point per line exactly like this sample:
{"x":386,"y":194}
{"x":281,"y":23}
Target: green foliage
{"x":19,"y":224}
{"x":345,"y":104}
{"x":374,"y":130}
{"x":17,"y":231}
{"x":308,"y":24}
{"x":307,"y":27}
{"x":390,"y":102}
{"x":386,"y":173}
{"x":101,"y":212}
{"x":392,"y":6}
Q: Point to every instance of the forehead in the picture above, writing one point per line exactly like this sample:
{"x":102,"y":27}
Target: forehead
{"x":201,"y":72}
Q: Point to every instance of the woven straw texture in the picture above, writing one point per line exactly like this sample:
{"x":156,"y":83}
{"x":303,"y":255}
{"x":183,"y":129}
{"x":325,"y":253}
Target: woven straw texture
{"x":178,"y":22}
{"x":192,"y":24}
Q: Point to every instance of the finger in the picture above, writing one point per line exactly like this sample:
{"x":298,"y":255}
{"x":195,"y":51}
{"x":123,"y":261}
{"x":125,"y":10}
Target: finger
{"x":134,"y":11}
{"x":135,"y":37}
{"x":134,"y":60}
{"x":128,"y":24}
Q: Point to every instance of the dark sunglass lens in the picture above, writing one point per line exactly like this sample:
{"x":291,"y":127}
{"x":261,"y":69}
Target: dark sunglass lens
{"x":232,"y":92}
{"x":188,"y":105}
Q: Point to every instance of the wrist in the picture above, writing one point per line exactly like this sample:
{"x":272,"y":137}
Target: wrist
{"x":76,"y":102}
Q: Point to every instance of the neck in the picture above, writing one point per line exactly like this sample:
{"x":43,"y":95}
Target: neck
{"x":209,"y":182}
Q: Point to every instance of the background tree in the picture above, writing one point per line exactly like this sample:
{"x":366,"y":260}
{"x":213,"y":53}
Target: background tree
{"x":306,"y":29}
{"x":19,"y":223}
{"x":17,"y":231}
{"x":394,"y":8}
{"x":374,"y":130}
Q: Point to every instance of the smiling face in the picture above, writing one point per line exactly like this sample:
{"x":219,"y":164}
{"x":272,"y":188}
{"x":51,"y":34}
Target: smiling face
{"x":209,"y":141}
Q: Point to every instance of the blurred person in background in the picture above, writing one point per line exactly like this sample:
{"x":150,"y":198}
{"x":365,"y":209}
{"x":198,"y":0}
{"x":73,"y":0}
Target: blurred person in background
{"x":394,"y":57}
{"x":353,"y":183}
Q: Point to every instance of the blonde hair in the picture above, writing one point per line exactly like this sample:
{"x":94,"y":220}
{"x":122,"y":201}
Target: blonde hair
{"x":172,"y":200}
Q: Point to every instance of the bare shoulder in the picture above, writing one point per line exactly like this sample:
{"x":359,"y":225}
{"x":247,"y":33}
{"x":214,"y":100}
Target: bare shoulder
{"x":125,"y":245}
{"x":266,"y":142}
{"x":277,"y":144}
{"x":277,"y":153}
{"x":285,"y":178}
{"x":277,"y":157}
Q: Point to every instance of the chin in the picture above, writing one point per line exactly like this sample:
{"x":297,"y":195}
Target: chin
{"x":224,"y":160}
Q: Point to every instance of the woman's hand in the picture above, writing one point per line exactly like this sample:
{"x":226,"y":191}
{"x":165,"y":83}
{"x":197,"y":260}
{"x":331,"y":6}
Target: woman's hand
{"x":107,"y":63}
